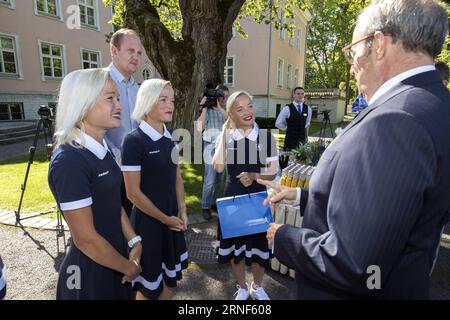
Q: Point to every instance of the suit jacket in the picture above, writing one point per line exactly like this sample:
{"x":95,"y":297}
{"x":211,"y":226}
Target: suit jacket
{"x":377,"y":198}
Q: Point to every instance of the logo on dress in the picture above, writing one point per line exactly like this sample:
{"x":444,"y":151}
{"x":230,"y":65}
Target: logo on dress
{"x":153,"y":152}
{"x":103,"y":174}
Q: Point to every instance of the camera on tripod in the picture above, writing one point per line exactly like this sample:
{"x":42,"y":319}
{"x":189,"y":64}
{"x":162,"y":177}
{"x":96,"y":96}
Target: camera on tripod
{"x":211,"y":95}
{"x":326,"y":114}
{"x":46,"y":112}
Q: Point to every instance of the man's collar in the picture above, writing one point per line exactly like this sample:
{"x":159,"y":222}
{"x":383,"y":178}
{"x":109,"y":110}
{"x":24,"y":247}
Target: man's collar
{"x":93,"y":145}
{"x":117,"y":75}
{"x":152,"y":133}
{"x":388,"y":85}
{"x":295,"y":103}
{"x":253,"y":135}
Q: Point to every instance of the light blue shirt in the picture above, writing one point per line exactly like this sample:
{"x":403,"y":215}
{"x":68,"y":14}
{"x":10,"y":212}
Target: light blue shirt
{"x":127,"y":94}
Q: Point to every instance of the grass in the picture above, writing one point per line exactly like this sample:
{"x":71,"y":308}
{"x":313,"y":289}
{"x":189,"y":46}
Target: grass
{"x":38,"y":197}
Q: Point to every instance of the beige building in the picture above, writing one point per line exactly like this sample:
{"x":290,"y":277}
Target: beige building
{"x":43,"y":40}
{"x":268,"y":64}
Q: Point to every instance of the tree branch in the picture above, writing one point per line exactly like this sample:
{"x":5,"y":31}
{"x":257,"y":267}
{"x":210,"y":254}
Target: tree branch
{"x":143,"y":17}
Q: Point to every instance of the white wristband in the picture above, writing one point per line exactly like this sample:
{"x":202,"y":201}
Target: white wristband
{"x":133,"y":241}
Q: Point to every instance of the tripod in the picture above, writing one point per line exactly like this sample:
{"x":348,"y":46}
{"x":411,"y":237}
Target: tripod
{"x":45,"y":124}
{"x":323,"y":126}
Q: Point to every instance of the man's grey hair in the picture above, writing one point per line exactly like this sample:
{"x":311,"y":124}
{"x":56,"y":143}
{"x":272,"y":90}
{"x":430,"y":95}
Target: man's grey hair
{"x":419,"y":25}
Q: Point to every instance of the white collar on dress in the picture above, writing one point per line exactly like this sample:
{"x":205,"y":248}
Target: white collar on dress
{"x":152,"y":133}
{"x":93,"y":145}
{"x":253,"y":135}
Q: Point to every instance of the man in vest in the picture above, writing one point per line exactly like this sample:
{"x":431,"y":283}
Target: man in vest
{"x":295,"y":118}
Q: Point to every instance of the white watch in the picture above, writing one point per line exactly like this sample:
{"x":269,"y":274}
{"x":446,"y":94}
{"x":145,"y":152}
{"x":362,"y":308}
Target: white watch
{"x":133,"y":241}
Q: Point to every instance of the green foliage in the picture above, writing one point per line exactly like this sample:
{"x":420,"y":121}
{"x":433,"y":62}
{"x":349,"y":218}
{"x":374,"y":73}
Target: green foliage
{"x":330,"y":29}
{"x":261,"y":11}
{"x":310,"y":153}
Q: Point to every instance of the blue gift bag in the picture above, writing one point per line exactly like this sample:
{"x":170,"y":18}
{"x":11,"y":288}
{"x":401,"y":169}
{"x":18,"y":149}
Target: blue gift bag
{"x":243,"y":215}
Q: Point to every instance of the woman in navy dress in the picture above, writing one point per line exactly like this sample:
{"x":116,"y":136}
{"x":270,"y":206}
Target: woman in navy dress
{"x":2,"y":280}
{"x":154,"y":185}
{"x":249,"y":153}
{"x":85,"y":181}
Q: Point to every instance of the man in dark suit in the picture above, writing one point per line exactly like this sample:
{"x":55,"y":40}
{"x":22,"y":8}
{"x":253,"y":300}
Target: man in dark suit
{"x":381,"y":190}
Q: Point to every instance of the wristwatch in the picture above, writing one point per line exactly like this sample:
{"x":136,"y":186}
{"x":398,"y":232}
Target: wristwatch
{"x":133,"y":241}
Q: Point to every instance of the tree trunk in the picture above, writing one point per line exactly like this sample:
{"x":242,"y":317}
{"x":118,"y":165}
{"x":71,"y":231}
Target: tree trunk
{"x":347,"y":90}
{"x":190,"y":62}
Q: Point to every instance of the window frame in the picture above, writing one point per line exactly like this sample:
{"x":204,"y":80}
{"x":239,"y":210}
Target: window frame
{"x":280,"y":72}
{"x":17,"y":58}
{"x":58,"y":15}
{"x":99,"y":61}
{"x":63,"y":62}
{"x":295,"y":78}
{"x":299,"y":39}
{"x":11,"y":4}
{"x":289,"y":77}
{"x":21,"y":106}
{"x":96,"y":25}
{"x":225,"y":71}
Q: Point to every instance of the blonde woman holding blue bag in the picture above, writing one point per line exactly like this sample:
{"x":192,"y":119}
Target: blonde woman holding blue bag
{"x":249,"y":154}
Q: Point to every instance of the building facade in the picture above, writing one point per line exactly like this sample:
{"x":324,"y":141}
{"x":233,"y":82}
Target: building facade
{"x":268,"y":64}
{"x":43,"y":40}
{"x":53,"y":39}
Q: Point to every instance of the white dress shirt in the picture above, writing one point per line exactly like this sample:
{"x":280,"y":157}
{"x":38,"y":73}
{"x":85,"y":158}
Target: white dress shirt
{"x":285,"y":113}
{"x":388,"y":85}
{"x":127,"y":95}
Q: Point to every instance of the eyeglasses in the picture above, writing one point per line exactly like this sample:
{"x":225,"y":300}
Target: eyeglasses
{"x":349,"y":54}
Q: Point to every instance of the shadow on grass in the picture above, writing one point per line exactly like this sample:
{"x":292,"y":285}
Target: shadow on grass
{"x":193,"y":182}
{"x":40,"y":156}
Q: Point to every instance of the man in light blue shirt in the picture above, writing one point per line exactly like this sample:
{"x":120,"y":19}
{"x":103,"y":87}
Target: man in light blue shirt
{"x":126,"y":53}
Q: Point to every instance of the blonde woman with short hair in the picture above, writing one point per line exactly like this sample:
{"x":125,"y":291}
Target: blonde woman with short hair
{"x":154,"y":185}
{"x":85,"y":181}
{"x":249,"y":153}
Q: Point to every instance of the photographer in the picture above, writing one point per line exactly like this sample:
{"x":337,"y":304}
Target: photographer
{"x":295,"y":118}
{"x":210,"y":122}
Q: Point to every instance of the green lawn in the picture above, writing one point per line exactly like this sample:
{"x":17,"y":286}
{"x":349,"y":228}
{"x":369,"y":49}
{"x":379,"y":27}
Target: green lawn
{"x":38,"y":197}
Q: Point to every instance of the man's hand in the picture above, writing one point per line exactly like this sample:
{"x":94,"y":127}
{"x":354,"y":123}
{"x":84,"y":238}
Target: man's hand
{"x":273,"y":227}
{"x":246,"y":178}
{"x":279,"y":193}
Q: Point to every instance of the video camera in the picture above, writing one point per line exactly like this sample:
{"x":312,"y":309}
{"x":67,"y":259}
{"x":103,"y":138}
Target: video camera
{"x":46,"y":112}
{"x":211,"y":95}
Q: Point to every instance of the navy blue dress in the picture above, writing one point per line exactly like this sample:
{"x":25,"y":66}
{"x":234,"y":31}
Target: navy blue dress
{"x":78,"y":178}
{"x":2,"y":280}
{"x":164,"y":253}
{"x":246,"y":154}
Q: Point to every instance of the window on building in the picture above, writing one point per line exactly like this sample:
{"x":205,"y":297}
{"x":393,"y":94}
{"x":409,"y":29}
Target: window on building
{"x":299,"y":39}
{"x":90,"y":59}
{"x":289,"y":76}
{"x":295,"y":83}
{"x":52,"y":60}
{"x":282,"y":29}
{"x":280,"y":66}
{"x":229,"y":71}
{"x":291,"y":40}
{"x":48,"y":7}
{"x":11,"y":111}
{"x":147,"y":74}
{"x":88,"y":12}
{"x":8,"y":56}
{"x":7,"y":3}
